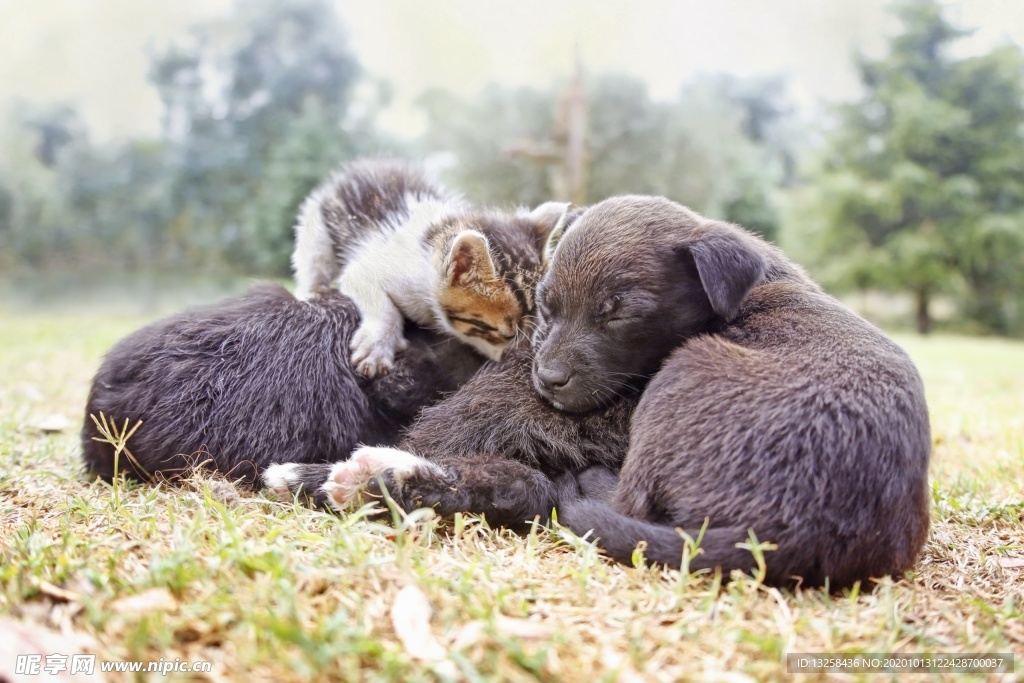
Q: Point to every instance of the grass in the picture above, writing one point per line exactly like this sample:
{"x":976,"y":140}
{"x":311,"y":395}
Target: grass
{"x":273,"y":591}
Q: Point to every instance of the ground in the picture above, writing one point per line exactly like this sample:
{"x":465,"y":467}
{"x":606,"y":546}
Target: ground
{"x":267,"y":590}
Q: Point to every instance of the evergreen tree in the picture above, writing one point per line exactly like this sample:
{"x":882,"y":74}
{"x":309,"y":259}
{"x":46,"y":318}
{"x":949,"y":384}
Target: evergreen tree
{"x":923,"y":188}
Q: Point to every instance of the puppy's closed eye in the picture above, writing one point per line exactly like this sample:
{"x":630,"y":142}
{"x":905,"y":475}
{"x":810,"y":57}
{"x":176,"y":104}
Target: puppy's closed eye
{"x":608,"y":310}
{"x":621,"y":321}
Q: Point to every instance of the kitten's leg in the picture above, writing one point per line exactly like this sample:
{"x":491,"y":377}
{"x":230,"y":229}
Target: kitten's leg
{"x":379,"y":335}
{"x":313,"y":260}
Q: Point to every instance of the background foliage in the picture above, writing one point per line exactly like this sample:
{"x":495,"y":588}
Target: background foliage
{"x":917,"y":189}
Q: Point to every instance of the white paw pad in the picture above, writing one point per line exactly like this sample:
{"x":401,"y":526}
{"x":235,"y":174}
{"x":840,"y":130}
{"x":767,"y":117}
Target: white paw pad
{"x":280,"y":478}
{"x":348,"y":479}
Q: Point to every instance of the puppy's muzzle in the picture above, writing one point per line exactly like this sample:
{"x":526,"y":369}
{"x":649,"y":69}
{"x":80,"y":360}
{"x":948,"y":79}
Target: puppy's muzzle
{"x":552,"y":380}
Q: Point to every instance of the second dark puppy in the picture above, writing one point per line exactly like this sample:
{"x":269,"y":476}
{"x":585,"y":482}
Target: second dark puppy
{"x":259,"y":378}
{"x":778,"y":411}
{"x":494,"y":447}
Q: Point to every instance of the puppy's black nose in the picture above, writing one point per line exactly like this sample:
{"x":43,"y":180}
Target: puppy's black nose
{"x":553,"y":378}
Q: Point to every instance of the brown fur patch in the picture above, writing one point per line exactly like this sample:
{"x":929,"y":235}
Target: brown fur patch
{"x":492,"y":303}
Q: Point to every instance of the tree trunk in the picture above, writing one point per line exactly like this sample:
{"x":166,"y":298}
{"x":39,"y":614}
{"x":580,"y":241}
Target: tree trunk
{"x":922,"y":299}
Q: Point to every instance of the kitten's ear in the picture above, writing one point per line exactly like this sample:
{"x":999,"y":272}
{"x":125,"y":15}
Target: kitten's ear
{"x":730,"y":263}
{"x":547,"y":216}
{"x":469,"y":260}
{"x":556,"y":217}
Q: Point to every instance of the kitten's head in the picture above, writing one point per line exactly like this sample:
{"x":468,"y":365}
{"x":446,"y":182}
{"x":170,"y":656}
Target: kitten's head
{"x":490,"y":264}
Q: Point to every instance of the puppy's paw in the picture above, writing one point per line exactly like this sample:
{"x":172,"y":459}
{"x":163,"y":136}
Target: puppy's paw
{"x":281,"y":479}
{"x":292,"y":479}
{"x":349,"y":480}
{"x":373,"y":350}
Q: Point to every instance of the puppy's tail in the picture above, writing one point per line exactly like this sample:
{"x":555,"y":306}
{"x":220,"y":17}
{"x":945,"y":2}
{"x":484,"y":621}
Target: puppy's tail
{"x":618,"y":535}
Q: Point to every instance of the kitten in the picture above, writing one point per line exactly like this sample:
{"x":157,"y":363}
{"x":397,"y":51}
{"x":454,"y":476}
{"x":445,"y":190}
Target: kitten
{"x":398,"y":244}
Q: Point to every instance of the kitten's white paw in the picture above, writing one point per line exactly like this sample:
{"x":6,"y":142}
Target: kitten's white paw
{"x":373,"y":350}
{"x":280,"y":478}
{"x":349,"y":478}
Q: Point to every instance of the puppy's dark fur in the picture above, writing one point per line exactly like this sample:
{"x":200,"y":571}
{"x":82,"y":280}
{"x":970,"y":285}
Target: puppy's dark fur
{"x":778,"y":411}
{"x":258,"y":379}
{"x":498,"y":446}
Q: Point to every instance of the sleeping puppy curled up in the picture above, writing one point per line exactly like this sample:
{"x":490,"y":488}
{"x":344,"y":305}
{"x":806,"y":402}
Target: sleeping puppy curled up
{"x":238,"y":384}
{"x":494,"y":447}
{"x":775,"y":409}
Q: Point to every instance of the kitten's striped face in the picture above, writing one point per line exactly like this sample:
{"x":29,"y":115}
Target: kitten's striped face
{"x":486,"y":316}
{"x":489,"y":268}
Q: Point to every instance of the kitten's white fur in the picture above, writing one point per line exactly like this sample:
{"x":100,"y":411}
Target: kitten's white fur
{"x":389,"y":273}
{"x":313,"y":260}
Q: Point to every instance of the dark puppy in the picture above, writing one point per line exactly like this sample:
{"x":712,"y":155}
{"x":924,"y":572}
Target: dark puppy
{"x":779,"y":411}
{"x":258,"y":379}
{"x":491,"y":448}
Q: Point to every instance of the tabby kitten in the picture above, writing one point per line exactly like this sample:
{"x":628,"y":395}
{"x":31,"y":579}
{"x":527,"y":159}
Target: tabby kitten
{"x":397,"y":243}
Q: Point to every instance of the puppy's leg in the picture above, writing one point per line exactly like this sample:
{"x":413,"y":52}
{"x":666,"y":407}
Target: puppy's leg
{"x":379,"y":335}
{"x":598,"y":483}
{"x":507,"y":493}
{"x":298,"y":479}
{"x":340,"y":485}
{"x":348,"y":480}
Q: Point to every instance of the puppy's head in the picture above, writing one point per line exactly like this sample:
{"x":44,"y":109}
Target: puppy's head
{"x":629,"y":281}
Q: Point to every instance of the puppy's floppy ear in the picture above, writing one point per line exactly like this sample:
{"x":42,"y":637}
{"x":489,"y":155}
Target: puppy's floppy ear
{"x":469,"y":260}
{"x":729,"y":263}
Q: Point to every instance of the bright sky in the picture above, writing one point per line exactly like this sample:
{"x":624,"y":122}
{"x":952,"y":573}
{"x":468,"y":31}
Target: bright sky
{"x":93,"y":52}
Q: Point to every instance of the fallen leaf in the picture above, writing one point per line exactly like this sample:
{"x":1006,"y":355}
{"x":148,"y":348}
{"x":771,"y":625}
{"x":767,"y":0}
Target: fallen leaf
{"x":20,"y":638}
{"x":410,"y":617}
{"x":47,"y":588}
{"x":468,"y":635}
{"x":1011,"y":562}
{"x":52,"y":424}
{"x":523,"y":628}
{"x":152,"y":600}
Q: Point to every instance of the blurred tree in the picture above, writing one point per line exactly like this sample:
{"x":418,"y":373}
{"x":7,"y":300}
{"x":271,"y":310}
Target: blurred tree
{"x":257,"y":109}
{"x":479,"y":135}
{"x":923,"y":187}
{"x":56,"y":126}
{"x":35,"y":142}
{"x":256,"y":112}
{"x":700,"y":150}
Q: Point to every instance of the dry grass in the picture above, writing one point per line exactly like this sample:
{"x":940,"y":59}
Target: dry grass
{"x":271,"y":591}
